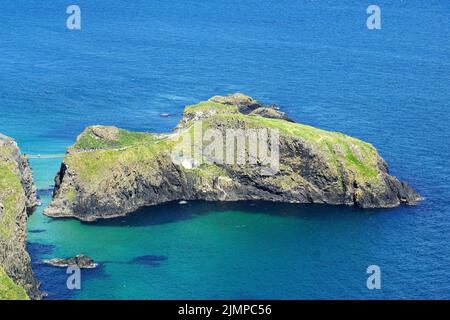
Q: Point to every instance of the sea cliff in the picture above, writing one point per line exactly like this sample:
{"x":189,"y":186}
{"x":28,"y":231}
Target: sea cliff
{"x":17,"y":201}
{"x":111,"y":172}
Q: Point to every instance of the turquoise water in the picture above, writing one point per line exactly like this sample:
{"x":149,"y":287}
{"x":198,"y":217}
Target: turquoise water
{"x":318,"y":61}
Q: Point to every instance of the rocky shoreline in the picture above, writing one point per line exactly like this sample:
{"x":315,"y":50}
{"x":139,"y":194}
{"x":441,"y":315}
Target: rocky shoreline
{"x":110,"y":172}
{"x":17,"y":201}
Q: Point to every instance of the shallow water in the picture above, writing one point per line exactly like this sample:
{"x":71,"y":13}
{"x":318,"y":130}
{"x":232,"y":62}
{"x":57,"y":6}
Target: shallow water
{"x":317,"y":60}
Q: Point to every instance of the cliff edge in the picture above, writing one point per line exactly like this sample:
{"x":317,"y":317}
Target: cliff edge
{"x":17,"y":200}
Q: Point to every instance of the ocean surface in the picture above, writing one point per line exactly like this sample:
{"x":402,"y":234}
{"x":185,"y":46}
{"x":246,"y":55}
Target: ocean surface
{"x":133,"y":60}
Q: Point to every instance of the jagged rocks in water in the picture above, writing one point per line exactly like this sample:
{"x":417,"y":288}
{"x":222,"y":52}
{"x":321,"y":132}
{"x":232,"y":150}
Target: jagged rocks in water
{"x":81,"y":261}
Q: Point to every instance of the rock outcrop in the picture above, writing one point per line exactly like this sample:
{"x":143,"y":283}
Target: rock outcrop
{"x":105,"y":176}
{"x":17,"y":201}
{"x":81,"y":261}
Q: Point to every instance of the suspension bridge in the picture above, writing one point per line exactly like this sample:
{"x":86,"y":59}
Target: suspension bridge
{"x":61,"y":156}
{"x":45,"y":156}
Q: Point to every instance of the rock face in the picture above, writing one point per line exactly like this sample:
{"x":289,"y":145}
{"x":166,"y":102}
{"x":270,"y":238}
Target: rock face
{"x":81,"y":261}
{"x":17,"y":200}
{"x":270,"y":112}
{"x":104,"y":178}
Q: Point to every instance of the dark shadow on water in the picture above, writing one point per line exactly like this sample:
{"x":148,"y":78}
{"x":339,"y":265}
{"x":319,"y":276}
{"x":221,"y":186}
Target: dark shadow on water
{"x":37,"y":230}
{"x":150,"y":260}
{"x":38,"y":249}
{"x":174,"y":212}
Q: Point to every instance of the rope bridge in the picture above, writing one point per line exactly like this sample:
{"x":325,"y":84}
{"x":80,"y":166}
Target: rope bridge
{"x":45,"y":156}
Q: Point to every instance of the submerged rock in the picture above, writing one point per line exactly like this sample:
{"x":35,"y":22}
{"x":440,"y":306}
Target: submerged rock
{"x":167,"y":115}
{"x":81,"y":261}
{"x":151,"y":260}
{"x":112,"y":177}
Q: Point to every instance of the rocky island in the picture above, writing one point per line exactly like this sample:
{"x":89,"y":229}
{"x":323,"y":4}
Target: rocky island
{"x":17,"y":200}
{"x":81,"y":261}
{"x":111,"y":172}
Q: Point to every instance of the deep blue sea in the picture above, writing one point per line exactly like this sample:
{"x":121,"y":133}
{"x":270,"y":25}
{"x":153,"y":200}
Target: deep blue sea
{"x":133,"y":60}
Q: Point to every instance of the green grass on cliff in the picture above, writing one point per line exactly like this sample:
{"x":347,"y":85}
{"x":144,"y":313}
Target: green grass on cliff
{"x":338,"y":147}
{"x":89,"y":141}
{"x":102,"y":165}
{"x":10,"y":193}
{"x":106,"y":166}
{"x":9,"y":290}
{"x":209,"y":171}
{"x":211,"y":106}
{"x":305,"y":132}
{"x":138,"y":150}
